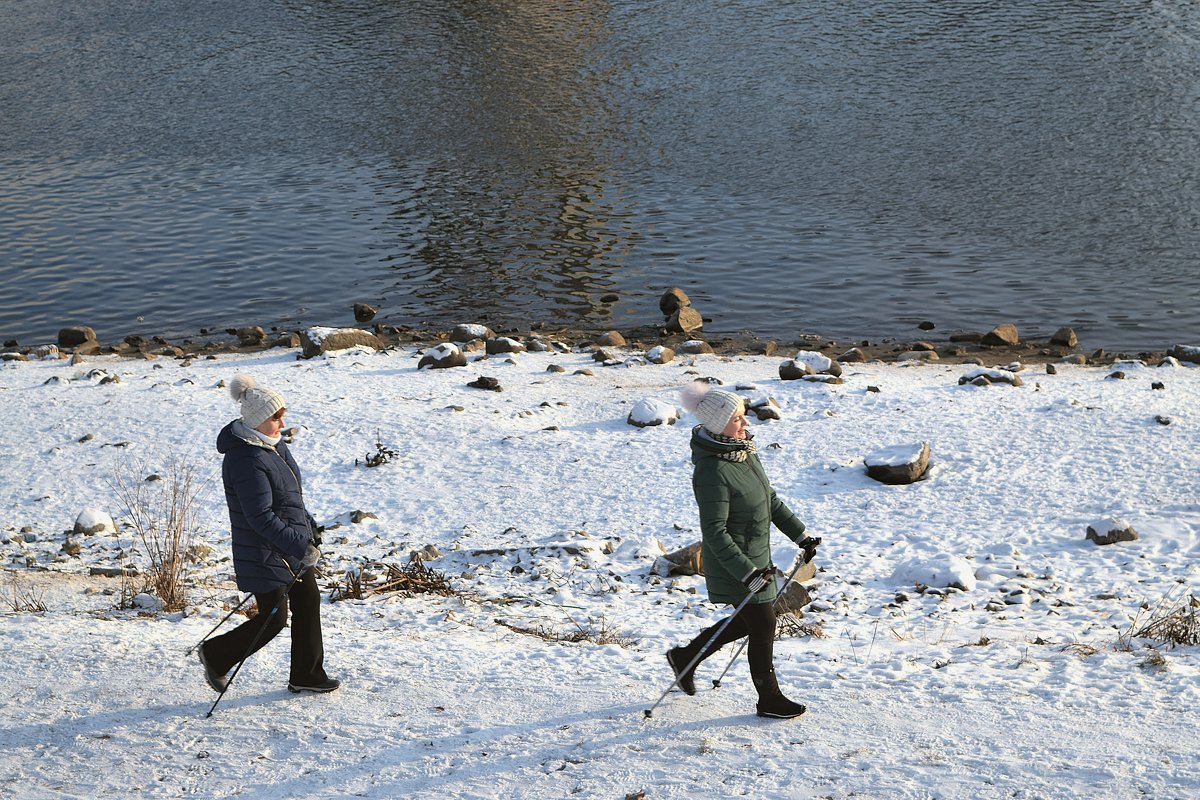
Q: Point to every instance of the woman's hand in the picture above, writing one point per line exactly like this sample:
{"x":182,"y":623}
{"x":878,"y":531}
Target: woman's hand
{"x":809,"y":545}
{"x":756,"y":579}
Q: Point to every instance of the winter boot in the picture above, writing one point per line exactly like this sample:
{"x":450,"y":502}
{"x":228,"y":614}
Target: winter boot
{"x":771,"y":702}
{"x":679,"y":658}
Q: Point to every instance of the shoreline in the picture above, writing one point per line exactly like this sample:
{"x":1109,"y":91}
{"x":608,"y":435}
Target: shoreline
{"x":949,"y":347}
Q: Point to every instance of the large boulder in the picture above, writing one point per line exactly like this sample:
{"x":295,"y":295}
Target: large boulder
{"x":326,"y":340}
{"x":684,"y":561}
{"x":1002,"y":336}
{"x":503,"y":344}
{"x":1185,"y":352}
{"x":80,"y":338}
{"x":443,"y":356}
{"x":650,"y":411}
{"x":672,"y":300}
{"x":898,"y":464}
{"x":92,"y":521}
{"x":685,"y":320}
{"x":611,"y":339}
{"x":660,"y":355}
{"x":465,"y":333}
{"x":1064,"y":337}
{"x":984,"y":376}
{"x":1111,"y":530}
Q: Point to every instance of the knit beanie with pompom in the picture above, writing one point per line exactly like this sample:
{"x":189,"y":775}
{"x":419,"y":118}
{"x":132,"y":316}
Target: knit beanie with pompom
{"x":713,"y":407}
{"x":258,"y":402}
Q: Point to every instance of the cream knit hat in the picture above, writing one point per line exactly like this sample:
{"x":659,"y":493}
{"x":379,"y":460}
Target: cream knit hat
{"x":713,"y":407}
{"x":258,"y":402}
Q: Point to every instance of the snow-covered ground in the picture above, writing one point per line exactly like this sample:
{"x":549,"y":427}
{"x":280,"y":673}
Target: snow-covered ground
{"x":548,"y":510}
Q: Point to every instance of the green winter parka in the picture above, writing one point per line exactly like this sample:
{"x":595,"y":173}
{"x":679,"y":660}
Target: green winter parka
{"x":737,"y":506}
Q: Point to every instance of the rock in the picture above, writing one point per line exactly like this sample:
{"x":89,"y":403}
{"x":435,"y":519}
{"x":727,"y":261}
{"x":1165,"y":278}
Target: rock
{"x":940,"y":571}
{"x":926,"y":325}
{"x":603,"y":355}
{"x":556,"y":368}
{"x":1115,"y":376}
{"x":1169,"y":361}
{"x":114,"y":572}
{"x":918,"y":355}
{"x":287,"y":340}
{"x":72,"y":548}
{"x":793,"y":371}
{"x":1160,"y":386}
{"x":795,"y":597}
{"x":92,"y":521}
{"x":765,"y":408}
{"x":444,"y":356}
{"x":46,"y":351}
{"x":660,"y":355}
{"x":695,"y":347}
{"x":426,"y":553}
{"x":899,"y":464}
{"x":1184,"y":352}
{"x":1002,"y":336}
{"x":364,"y":312}
{"x":327,"y":340}
{"x":672,"y":300}
{"x":767,"y":348}
{"x":831,"y":380}
{"x":650,"y":412}
{"x":536,"y":345}
{"x":198,"y":553}
{"x":1161,"y":420}
{"x":852,"y":356}
{"x":465,"y":333}
{"x":1078,"y":359}
{"x":817,"y":363}
{"x":503,"y":344}
{"x":76,"y":337}
{"x":1051,"y":369}
{"x":966,"y":337}
{"x":248,"y":336}
{"x":484,"y":382}
{"x":990,"y":376}
{"x":684,"y":561}
{"x":922,"y":346}
{"x":1064,"y":337}
{"x":610,"y":298}
{"x":685,"y":320}
{"x":1111,"y":530}
{"x":611,"y":339}
{"x":358,"y":517}
{"x":586,"y":372}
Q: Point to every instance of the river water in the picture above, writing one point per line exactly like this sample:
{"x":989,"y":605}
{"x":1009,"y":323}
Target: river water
{"x":846,"y":168}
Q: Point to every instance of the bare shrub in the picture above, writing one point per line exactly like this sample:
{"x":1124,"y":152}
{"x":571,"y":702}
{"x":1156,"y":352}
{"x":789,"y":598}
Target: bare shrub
{"x":164,"y":515}
{"x":24,"y":600}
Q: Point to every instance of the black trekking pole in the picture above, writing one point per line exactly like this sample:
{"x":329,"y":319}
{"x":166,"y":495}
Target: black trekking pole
{"x":649,"y":712}
{"x":742,"y":646}
{"x":257,"y":639}
{"x":219,"y":624}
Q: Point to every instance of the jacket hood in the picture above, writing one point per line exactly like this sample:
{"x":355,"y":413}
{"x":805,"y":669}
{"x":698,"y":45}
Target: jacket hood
{"x":235,"y":435}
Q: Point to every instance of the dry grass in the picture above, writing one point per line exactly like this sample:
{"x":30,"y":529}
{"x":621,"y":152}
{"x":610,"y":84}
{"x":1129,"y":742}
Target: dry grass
{"x":164,"y":514}
{"x":1171,"y":625}
{"x":376,"y":577}
{"x":23,"y":600}
{"x":600,"y":633}
{"x":791,"y":625}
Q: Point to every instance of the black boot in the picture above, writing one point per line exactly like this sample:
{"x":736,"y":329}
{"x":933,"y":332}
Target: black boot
{"x":771,"y":702}
{"x":679,"y":658}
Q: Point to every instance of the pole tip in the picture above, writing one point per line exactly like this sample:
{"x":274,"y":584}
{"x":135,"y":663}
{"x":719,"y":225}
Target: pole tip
{"x":649,"y":713}
{"x":717,"y":683}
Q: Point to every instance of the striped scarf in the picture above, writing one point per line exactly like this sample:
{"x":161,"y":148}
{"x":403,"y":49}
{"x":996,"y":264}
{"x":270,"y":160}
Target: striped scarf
{"x":739,"y":455}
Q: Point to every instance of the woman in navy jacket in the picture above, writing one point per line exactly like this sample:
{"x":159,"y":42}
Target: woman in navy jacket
{"x":274,"y":544}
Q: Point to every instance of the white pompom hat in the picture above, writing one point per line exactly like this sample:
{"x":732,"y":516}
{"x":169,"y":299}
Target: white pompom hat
{"x":258,"y":402}
{"x":713,"y":407}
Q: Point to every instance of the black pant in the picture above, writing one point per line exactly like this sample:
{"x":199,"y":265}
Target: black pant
{"x":756,"y":620}
{"x":308,"y":653}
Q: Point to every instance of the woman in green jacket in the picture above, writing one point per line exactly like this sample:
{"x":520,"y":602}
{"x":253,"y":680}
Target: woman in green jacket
{"x":737,"y":507}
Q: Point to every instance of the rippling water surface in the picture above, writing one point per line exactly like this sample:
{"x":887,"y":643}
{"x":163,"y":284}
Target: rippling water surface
{"x":845,"y":168}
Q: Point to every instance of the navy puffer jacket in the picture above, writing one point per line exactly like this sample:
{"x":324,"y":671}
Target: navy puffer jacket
{"x":267,"y":517}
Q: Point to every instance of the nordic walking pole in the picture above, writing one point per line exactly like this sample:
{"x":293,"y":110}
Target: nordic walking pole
{"x":742,"y":646}
{"x":257,"y":639}
{"x":219,"y":624}
{"x":754,"y":588}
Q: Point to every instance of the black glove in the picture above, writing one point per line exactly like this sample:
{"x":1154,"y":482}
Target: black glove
{"x":318,"y":539}
{"x":311,"y":556}
{"x":809,"y":545}
{"x":756,"y":579}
